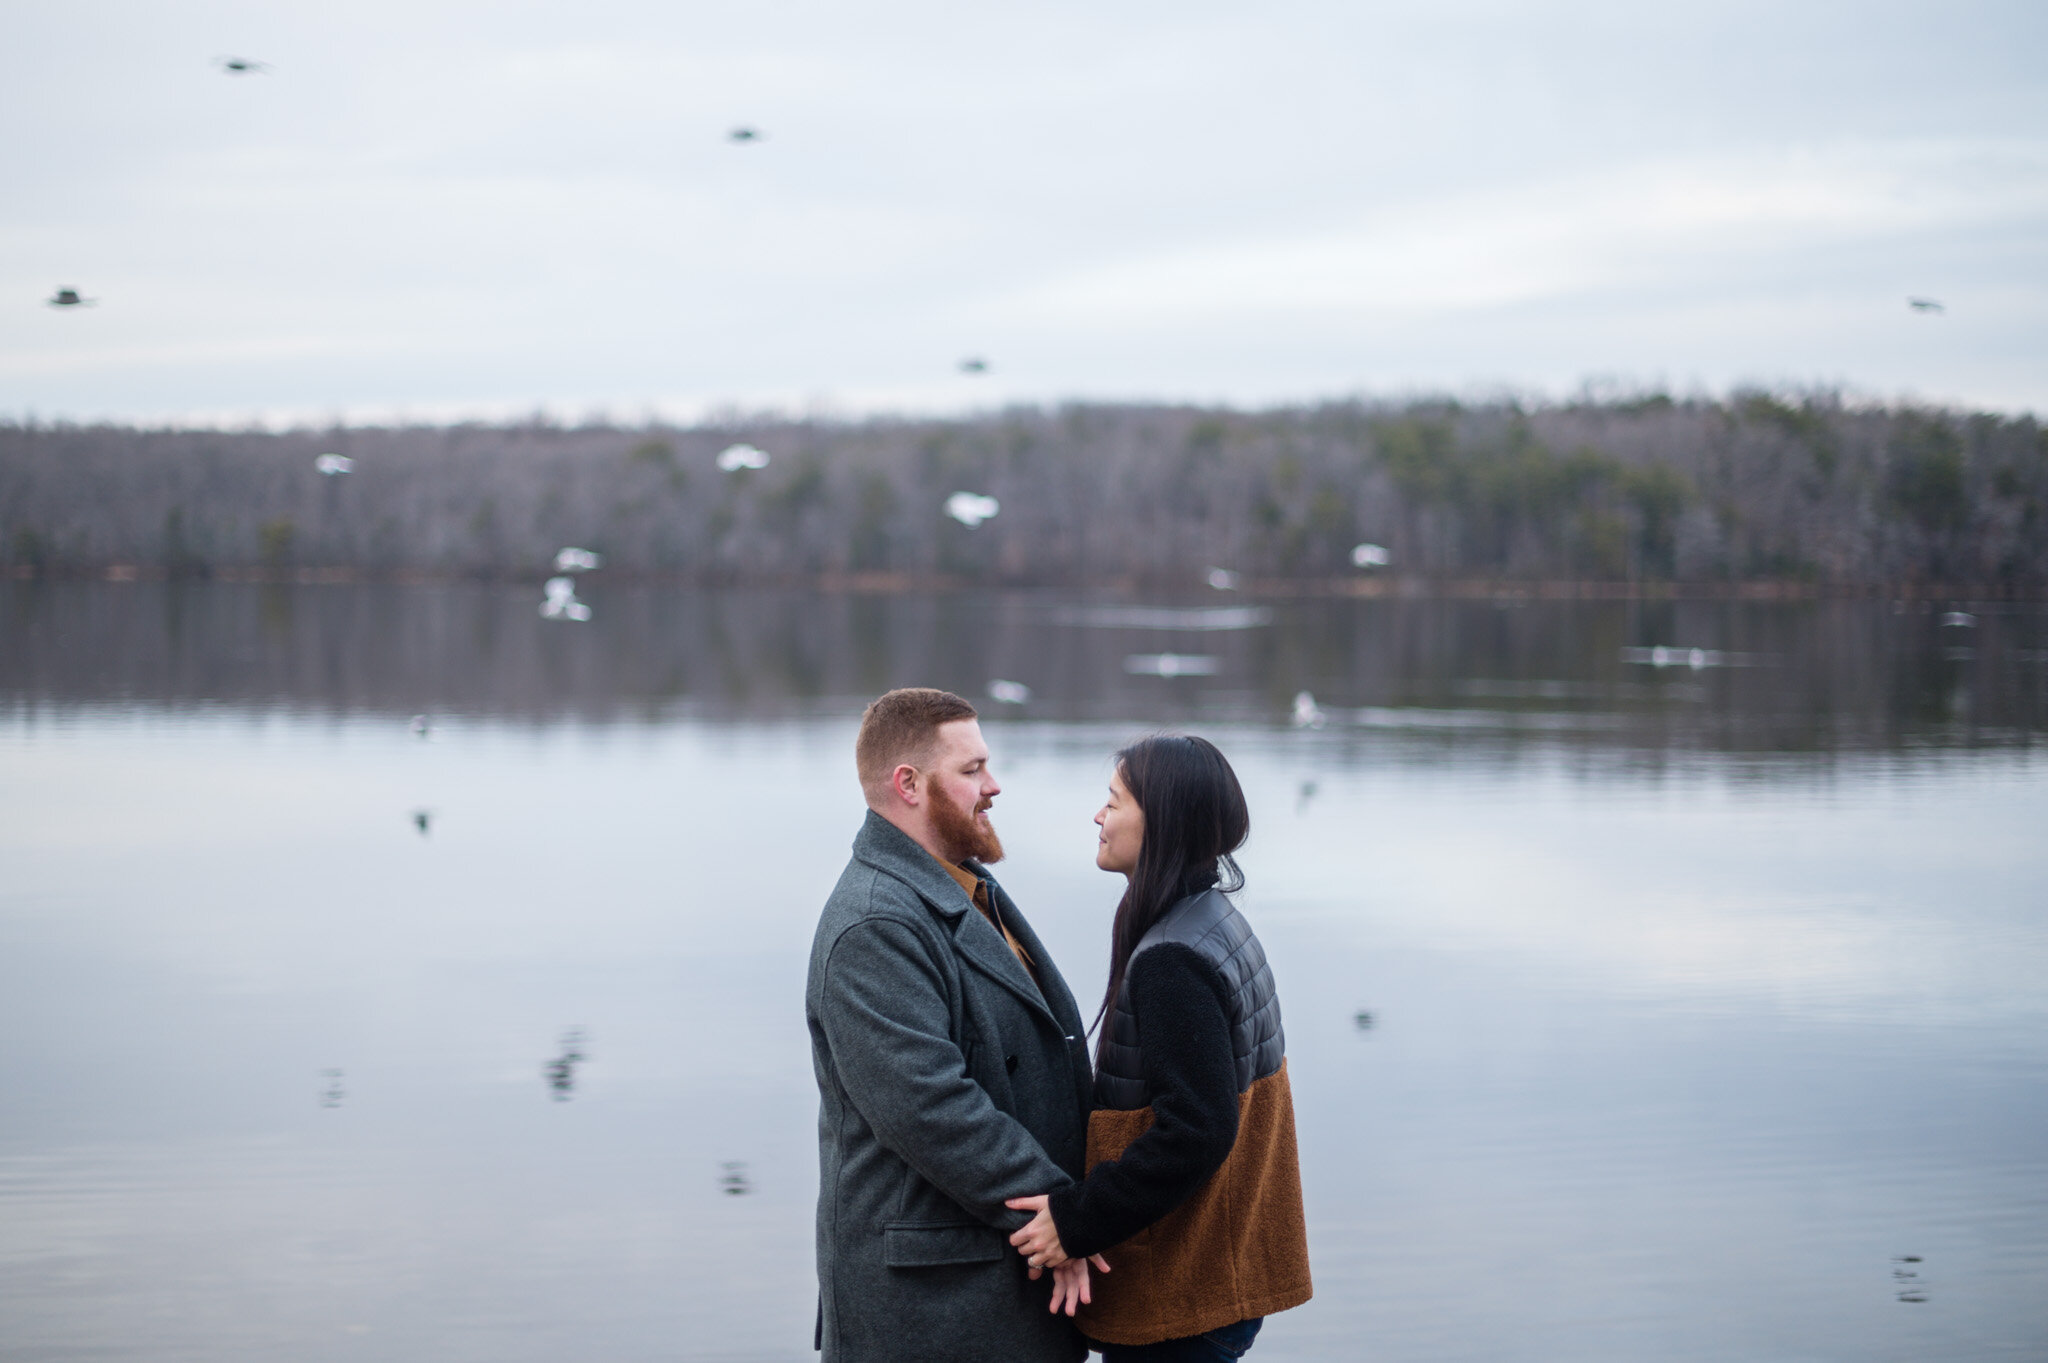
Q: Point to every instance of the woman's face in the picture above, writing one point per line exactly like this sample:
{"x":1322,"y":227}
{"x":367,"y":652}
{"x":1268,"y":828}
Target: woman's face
{"x":1123,"y":829}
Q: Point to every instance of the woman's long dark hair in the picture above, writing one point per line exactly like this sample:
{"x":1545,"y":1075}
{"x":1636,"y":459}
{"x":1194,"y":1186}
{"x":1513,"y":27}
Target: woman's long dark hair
{"x":1195,"y":817}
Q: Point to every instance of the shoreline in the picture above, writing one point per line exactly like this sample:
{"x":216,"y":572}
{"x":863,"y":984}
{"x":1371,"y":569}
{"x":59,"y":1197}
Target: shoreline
{"x":1401,"y":588}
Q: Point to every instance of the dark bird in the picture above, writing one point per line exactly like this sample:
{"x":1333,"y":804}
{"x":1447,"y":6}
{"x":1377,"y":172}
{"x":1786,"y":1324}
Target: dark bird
{"x":68,"y":298}
{"x":1362,"y":1020}
{"x":734,"y":1179}
{"x":974,"y":364}
{"x":421,"y":818}
{"x":746,"y":134}
{"x":242,"y":66}
{"x":1925,"y":305}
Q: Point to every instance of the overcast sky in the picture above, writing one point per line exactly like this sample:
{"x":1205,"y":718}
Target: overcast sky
{"x":439,"y":210}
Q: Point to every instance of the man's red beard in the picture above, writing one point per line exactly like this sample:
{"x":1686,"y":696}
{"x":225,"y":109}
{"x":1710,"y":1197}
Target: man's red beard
{"x":960,"y":833}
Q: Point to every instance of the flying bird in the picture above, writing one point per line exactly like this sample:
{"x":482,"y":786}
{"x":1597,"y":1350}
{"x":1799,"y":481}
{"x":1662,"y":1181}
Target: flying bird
{"x":1958,"y":620}
{"x":562,"y":603}
{"x":332,"y":464}
{"x":577,"y":561}
{"x":242,"y":66}
{"x":69,"y":298}
{"x":746,"y":134}
{"x":1308,"y":714}
{"x":1223,"y":580}
{"x":733,"y":458}
{"x":1171,"y":665}
{"x":1925,"y":305}
{"x":970,"y":508}
{"x":974,"y":364}
{"x":1370,"y":556}
{"x":1008,"y":692}
{"x":1662,"y":656}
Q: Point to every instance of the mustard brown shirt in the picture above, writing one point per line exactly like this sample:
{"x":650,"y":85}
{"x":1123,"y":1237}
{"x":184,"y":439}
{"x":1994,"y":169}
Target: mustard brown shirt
{"x":977,"y":890}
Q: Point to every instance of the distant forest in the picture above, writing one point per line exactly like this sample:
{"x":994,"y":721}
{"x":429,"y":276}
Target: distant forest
{"x":1754,"y":489}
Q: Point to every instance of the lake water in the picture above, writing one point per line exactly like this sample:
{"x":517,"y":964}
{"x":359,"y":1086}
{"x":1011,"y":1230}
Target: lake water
{"x":1707,"y":1005}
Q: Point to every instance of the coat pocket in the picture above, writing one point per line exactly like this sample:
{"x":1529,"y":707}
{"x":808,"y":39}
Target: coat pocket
{"x":927,"y":1244}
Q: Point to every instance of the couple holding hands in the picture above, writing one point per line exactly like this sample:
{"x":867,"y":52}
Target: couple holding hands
{"x":989,"y":1190}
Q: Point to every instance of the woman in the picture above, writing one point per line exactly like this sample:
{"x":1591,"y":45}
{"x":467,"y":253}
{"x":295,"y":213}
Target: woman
{"x":1193,"y":1192}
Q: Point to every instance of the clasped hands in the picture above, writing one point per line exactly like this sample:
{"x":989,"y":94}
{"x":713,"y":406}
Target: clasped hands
{"x":1038,"y":1240}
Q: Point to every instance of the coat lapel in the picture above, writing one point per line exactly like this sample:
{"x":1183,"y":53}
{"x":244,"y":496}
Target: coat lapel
{"x":888,"y":848}
{"x":1052,"y":986}
{"x":1061,"y":1001}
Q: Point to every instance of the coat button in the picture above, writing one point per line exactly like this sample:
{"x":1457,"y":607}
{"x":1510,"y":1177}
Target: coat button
{"x":1010,"y":1064}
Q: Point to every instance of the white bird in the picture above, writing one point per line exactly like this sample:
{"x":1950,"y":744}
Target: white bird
{"x":1694,"y":658}
{"x":1370,"y":556}
{"x":971,"y":508}
{"x":562,"y":603}
{"x":1959,"y":620}
{"x":1171,"y":665}
{"x":733,"y":458}
{"x":1009,"y":692}
{"x":1223,"y":580}
{"x":1307,"y":714}
{"x":331,"y":464}
{"x":577,"y":561}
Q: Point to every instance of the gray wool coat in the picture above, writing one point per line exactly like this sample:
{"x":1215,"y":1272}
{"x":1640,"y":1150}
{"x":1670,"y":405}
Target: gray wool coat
{"x":947,"y":1082}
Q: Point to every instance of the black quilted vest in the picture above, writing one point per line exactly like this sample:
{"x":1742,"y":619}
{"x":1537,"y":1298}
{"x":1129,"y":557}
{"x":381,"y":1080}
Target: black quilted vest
{"x":1210,"y":924}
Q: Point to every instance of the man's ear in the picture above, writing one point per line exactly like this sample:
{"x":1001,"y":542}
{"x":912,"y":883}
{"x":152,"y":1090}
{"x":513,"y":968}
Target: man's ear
{"x":903,"y":781}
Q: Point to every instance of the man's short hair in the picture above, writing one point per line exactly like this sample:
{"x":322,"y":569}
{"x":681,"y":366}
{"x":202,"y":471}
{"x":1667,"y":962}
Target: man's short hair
{"x":903,"y":726}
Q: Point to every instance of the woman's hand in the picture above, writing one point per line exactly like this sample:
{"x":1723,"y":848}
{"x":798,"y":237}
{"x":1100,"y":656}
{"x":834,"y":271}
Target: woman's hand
{"x":1038,"y":1240}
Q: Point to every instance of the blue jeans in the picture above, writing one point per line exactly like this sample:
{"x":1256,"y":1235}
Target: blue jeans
{"x":1225,"y":1344}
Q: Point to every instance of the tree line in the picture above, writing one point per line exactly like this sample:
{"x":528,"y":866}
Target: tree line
{"x":1753,"y":487}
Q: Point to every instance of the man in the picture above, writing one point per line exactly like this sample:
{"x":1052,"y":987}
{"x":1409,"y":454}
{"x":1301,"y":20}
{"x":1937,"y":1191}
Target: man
{"x":951,"y":1068}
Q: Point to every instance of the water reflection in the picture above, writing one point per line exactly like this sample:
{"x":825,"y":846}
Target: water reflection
{"x":561,"y":1071}
{"x":1906,"y":1279}
{"x":1733,"y":1032}
{"x":1838,"y":676}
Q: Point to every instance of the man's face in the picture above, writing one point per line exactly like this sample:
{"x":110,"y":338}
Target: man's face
{"x":961,"y":790}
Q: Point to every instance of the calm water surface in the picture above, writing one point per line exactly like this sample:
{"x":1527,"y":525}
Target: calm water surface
{"x":1708,"y":1007}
